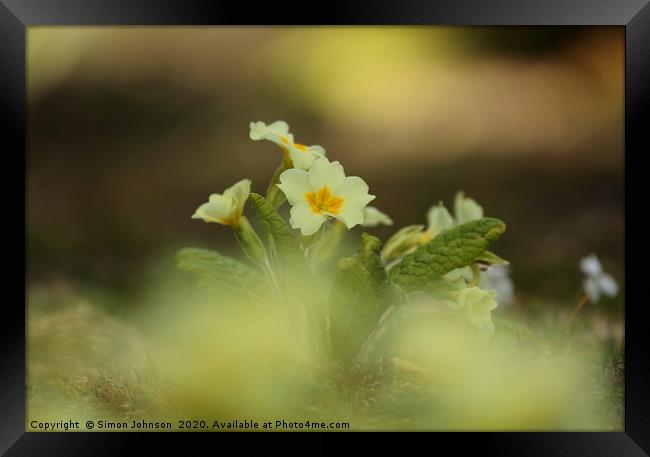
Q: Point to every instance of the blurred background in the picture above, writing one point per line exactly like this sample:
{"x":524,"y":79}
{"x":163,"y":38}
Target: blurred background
{"x":130,"y":129}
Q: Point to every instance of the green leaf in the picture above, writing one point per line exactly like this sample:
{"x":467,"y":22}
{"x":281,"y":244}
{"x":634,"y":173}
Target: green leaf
{"x":354,"y":308}
{"x":451,"y":249}
{"x":369,"y":256}
{"x":224,"y":273}
{"x":282,"y":236}
{"x":490,"y":258}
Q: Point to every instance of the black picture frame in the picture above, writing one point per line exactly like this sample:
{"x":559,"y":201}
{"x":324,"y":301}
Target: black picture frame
{"x":634,"y":15}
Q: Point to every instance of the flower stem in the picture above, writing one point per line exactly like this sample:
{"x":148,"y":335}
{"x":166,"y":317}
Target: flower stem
{"x":574,"y":313}
{"x":249,"y":241}
{"x":326,"y":247}
{"x":255,"y":250}
{"x":273,"y":194}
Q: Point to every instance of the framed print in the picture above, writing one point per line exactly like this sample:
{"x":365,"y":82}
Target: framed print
{"x":424,"y":217}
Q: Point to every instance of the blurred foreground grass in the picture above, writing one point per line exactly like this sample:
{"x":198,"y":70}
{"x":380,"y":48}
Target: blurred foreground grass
{"x":189,"y":354}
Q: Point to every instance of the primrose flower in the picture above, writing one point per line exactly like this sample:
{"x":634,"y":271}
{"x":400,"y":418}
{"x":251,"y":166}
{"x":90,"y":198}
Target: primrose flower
{"x":438,"y":219}
{"x":278,"y":132}
{"x":474,"y":303}
{"x":226,"y":208}
{"x":466,"y":209}
{"x":596,"y":280}
{"x":301,"y":156}
{"x":372,"y":217}
{"x":322,"y":192}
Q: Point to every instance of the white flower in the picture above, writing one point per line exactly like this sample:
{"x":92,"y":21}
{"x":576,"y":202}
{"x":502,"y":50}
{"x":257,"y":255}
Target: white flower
{"x":322,"y":192}
{"x":226,"y":208}
{"x":301,"y":156}
{"x":498,"y":278}
{"x":372,"y":217}
{"x":597,"y":281}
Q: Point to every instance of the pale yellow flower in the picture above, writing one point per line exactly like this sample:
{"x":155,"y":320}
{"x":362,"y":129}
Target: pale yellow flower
{"x":301,"y":156}
{"x":474,"y":303}
{"x":323,"y":192}
{"x":278,"y":132}
{"x":226,"y":208}
{"x":466,"y":209}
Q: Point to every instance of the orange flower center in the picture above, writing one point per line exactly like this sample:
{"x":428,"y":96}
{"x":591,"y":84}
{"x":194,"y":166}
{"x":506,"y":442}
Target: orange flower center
{"x":324,"y":202}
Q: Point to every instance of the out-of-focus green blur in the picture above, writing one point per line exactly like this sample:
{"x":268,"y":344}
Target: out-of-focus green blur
{"x":131,"y":128}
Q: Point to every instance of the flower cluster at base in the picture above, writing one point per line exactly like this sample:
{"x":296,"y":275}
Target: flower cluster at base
{"x":324,"y":202}
{"x":474,"y":303}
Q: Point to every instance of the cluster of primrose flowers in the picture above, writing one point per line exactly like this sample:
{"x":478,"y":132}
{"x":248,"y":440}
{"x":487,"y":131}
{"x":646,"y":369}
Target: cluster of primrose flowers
{"x":418,"y":260}
{"x":316,"y":188}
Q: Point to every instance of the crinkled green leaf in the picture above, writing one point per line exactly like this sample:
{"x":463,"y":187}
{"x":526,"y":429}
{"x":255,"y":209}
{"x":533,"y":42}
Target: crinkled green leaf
{"x":354,"y":308}
{"x":451,"y":249}
{"x":284,"y":239}
{"x":224,"y":273}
